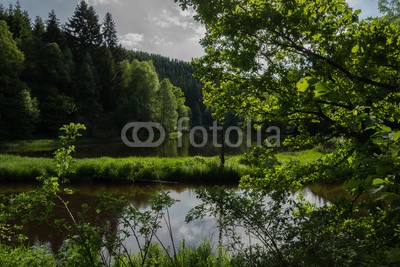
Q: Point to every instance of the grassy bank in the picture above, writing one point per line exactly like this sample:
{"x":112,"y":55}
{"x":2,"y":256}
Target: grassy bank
{"x":185,"y":169}
{"x":22,"y":146}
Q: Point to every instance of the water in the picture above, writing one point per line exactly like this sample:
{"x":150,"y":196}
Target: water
{"x":169,"y":148}
{"x":139,"y":195}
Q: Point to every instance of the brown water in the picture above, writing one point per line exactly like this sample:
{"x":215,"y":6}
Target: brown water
{"x":138,"y":196}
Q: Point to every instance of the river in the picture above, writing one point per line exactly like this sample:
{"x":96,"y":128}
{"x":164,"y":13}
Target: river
{"x":139,"y":195}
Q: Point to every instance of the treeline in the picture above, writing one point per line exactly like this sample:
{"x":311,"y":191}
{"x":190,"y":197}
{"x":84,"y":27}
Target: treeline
{"x":51,"y":74}
{"x":180,"y":74}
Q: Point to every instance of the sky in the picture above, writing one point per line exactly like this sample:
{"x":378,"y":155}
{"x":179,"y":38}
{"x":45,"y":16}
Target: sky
{"x":154,"y":26}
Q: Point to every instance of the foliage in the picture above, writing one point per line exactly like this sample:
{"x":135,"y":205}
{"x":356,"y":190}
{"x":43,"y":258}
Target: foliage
{"x":18,"y":109}
{"x":144,"y":98}
{"x":318,"y":69}
{"x":261,"y":220}
{"x":167,"y":112}
{"x":180,"y":74}
{"x":203,"y":255}
{"x":26,"y":256}
{"x":73,"y":72}
{"x":284,"y":231}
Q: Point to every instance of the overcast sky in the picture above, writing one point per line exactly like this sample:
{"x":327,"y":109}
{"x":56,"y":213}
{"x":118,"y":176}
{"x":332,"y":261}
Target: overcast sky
{"x":155,"y":26}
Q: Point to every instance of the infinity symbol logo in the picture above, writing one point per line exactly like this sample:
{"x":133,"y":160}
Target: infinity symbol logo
{"x":149,"y":126}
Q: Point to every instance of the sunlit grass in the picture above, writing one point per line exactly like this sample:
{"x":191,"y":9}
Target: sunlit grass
{"x":304,"y":156}
{"x":23,"y":169}
{"x":184,"y":169}
{"x":181,"y":169}
{"x":29,"y":145}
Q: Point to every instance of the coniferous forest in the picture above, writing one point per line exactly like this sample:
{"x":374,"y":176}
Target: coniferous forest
{"x":54,"y":73}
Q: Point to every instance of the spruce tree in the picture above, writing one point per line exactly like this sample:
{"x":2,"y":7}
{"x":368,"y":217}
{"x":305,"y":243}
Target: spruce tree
{"x":84,"y":28}
{"x":53,"y":31}
{"x":109,"y":32}
{"x":19,"y":22}
{"x":38,"y":28}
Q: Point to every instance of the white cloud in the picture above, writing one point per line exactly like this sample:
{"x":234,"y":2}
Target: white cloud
{"x":101,"y":2}
{"x":131,"y":40}
{"x":161,"y":41}
{"x":166,"y":19}
{"x":190,"y":12}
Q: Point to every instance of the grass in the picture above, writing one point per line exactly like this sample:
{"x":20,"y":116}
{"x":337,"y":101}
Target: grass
{"x":202,"y":255}
{"x":304,"y":156}
{"x":29,"y":145}
{"x":20,"y":146}
{"x":26,"y":256}
{"x":133,"y":169}
{"x":23,"y":169}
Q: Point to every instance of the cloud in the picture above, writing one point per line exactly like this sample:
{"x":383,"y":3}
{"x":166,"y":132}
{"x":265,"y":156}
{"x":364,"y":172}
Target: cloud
{"x":101,"y":2}
{"x":167,"y":19}
{"x":190,"y":12}
{"x":132,"y":40}
{"x":161,"y":41}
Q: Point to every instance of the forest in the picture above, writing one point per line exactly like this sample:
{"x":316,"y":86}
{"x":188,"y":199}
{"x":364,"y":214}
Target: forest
{"x":327,"y":195}
{"x":53,"y":74}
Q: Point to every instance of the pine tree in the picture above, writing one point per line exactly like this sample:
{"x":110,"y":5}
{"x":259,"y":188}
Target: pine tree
{"x":109,"y":32}
{"x":106,"y":71}
{"x":53,"y":31}
{"x":3,"y":13}
{"x":84,"y":28}
{"x":38,"y":28}
{"x":19,"y":22}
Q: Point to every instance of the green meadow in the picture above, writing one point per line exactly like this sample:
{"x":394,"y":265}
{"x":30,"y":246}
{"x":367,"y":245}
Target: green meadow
{"x":135,"y":169}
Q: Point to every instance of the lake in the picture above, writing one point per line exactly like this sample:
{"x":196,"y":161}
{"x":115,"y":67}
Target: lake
{"x":139,"y":195}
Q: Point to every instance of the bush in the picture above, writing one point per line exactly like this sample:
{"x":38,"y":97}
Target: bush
{"x":26,"y":256}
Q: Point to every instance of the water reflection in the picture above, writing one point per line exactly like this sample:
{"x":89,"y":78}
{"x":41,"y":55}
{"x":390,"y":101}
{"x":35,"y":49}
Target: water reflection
{"x":138,"y":196}
{"x":169,"y":148}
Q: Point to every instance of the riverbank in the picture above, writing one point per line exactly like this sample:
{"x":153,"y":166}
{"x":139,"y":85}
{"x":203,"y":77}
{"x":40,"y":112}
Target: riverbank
{"x":139,"y":169}
{"x":134,"y":169}
{"x":43,"y":145}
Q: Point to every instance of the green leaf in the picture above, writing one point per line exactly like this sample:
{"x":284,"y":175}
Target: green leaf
{"x":378,"y":181}
{"x":396,"y":136}
{"x":355,"y":49}
{"x":385,"y":128}
{"x":303,"y":84}
{"x":388,"y":196}
{"x":317,"y":37}
{"x":321,"y":89}
{"x":393,"y":255}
